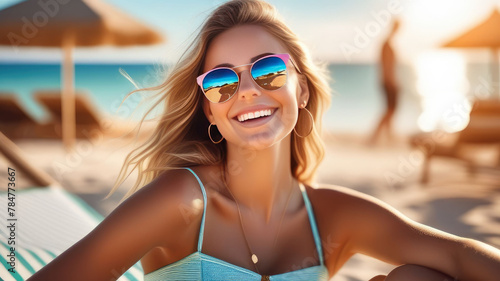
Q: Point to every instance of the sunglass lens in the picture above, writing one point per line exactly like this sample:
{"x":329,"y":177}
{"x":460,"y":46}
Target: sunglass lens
{"x":220,"y":85}
{"x":270,"y":73}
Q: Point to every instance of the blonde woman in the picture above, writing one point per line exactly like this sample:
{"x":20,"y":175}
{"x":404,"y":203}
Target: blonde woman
{"x":228,"y":178}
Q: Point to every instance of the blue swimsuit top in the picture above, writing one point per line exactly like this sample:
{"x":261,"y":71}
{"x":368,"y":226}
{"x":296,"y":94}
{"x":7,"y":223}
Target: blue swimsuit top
{"x":200,"y":266}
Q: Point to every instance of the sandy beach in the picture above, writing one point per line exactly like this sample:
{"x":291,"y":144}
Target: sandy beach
{"x":453,"y":200}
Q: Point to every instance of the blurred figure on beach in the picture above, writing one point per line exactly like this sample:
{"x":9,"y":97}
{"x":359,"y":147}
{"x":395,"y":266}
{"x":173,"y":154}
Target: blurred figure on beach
{"x":390,"y":87}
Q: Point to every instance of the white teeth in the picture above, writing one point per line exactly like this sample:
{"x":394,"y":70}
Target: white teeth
{"x":253,"y":115}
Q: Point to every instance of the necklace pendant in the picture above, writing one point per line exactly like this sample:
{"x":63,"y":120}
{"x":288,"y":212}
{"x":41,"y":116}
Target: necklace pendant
{"x":265,"y":278}
{"x":255,"y":260}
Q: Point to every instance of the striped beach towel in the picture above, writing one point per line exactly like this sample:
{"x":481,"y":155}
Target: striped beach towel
{"x":43,"y":223}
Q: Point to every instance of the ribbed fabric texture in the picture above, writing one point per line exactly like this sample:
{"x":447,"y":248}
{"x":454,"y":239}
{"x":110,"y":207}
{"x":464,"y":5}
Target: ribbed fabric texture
{"x":199,"y":266}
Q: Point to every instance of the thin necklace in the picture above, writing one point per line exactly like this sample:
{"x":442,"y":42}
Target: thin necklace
{"x":253,"y":256}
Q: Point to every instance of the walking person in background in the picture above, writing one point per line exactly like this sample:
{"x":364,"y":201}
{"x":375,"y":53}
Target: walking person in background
{"x":390,"y":87}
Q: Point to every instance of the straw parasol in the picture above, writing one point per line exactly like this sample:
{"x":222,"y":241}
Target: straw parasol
{"x":485,"y":35}
{"x":67,"y":24}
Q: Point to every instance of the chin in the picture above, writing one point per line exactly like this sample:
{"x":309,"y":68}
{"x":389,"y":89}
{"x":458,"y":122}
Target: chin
{"x":262,"y":141}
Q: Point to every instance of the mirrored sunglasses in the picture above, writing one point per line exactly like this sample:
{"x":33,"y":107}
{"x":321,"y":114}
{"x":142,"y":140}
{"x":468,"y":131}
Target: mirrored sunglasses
{"x":269,"y":73}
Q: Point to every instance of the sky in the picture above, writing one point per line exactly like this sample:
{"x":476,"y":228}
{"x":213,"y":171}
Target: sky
{"x":337,"y":31}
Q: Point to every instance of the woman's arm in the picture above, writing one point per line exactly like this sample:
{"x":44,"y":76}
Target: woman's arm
{"x":378,"y":230}
{"x":145,"y":220}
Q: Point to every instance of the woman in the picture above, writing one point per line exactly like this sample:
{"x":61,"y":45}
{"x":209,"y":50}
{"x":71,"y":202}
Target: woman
{"x":229,"y":172}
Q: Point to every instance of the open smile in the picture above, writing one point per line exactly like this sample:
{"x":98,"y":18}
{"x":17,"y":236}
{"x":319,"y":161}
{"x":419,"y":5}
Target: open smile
{"x":254,"y":119}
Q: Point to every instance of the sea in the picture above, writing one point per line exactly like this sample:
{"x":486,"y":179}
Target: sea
{"x":357,"y":102}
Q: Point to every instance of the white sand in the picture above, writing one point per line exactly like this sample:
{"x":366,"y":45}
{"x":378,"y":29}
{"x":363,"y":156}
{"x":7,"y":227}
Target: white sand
{"x":453,"y":201}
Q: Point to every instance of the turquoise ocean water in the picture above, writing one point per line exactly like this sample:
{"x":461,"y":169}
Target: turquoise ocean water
{"x":356,"y":99}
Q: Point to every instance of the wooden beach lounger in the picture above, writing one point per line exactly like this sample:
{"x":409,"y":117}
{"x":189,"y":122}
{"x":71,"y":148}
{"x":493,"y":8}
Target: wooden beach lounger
{"x":16,"y":122}
{"x":483,"y":129}
{"x":48,"y":221}
{"x":11,"y":109}
{"x":87,"y":117}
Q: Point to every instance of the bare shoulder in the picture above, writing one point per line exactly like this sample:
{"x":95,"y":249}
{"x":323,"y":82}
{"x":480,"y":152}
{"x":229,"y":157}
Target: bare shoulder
{"x":171,"y":201}
{"x":332,"y":197}
{"x":177,"y":185}
{"x":167,"y":207}
{"x":342,"y":209}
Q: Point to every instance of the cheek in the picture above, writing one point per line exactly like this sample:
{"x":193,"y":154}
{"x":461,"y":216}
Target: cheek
{"x":288,"y":97}
{"x":220,"y":111}
{"x":293,"y":87}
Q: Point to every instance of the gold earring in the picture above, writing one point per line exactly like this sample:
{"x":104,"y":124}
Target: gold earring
{"x":210,"y":135}
{"x":311,"y":121}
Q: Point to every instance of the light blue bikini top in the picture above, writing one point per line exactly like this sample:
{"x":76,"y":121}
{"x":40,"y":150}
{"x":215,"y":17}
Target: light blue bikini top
{"x":200,"y":266}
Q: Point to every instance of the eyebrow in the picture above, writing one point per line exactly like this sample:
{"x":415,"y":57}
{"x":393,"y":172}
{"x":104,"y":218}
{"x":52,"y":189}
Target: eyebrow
{"x":252,"y":60}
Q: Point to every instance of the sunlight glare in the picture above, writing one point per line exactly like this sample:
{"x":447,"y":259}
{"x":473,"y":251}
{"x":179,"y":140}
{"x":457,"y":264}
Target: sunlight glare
{"x":442,"y":85}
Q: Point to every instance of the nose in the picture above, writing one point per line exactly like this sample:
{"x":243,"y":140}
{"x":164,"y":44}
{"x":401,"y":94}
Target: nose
{"x":247,"y":89}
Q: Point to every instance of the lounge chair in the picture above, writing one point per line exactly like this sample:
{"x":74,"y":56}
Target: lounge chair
{"x":11,"y":109}
{"x":16,"y":122}
{"x":87,"y":118}
{"x":14,"y":155}
{"x":49,"y":221}
{"x":483,"y":129}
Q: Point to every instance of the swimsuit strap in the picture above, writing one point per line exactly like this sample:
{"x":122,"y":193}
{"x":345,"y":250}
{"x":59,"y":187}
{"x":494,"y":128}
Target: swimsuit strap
{"x":312,"y":221}
{"x":202,"y":227}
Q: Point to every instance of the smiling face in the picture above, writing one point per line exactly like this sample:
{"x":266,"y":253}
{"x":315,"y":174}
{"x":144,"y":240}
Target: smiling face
{"x":236,"y":118}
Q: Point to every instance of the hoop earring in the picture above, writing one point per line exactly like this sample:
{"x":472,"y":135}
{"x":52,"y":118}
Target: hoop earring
{"x":210,"y":135}
{"x":311,"y":122}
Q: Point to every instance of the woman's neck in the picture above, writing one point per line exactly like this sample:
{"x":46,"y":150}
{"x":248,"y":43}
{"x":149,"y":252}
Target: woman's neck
{"x":260,"y":180}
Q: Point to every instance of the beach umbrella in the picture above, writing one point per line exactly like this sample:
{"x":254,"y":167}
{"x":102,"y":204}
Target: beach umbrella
{"x":68,"y":24}
{"x":484,"y":35}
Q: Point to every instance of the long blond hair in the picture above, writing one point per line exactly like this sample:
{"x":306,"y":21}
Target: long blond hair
{"x":181,"y":139}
